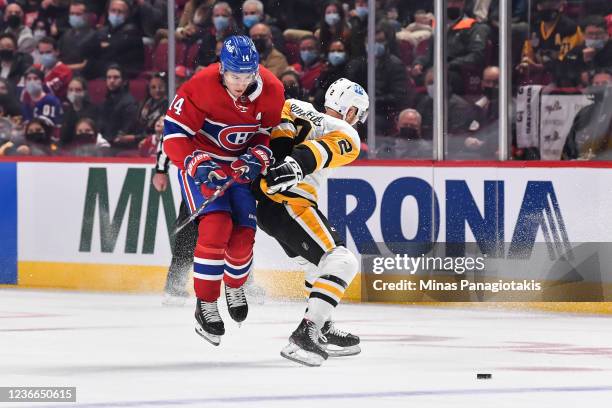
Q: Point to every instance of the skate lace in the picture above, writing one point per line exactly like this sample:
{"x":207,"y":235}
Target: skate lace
{"x":315,"y":334}
{"x":333,"y":330}
{"x":210,"y":311}
{"x":235,"y":297}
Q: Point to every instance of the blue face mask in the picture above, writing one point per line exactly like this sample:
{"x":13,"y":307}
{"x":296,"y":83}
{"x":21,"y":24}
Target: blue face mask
{"x":361,"y":12}
{"x":48,"y":60}
{"x":308,"y":56}
{"x":250,"y":20}
{"x":77,"y":21}
{"x":336,"y":57}
{"x":221,"y":23}
{"x":332,"y":18}
{"x":116,"y":19}
{"x":379,"y":49}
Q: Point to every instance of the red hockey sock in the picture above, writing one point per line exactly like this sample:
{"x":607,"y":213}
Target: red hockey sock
{"x":214,"y":232}
{"x":239,"y":256}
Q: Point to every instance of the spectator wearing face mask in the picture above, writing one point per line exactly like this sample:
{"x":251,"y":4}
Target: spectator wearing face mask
{"x":86,"y":140}
{"x":407,"y":143}
{"x":335,"y":68}
{"x":391,"y":81}
{"x":466,"y":42}
{"x":291,"y":82}
{"x":77,"y":45}
{"x":14,"y":23}
{"x":57,"y":74}
{"x":13,"y":64}
{"x":553,"y":36}
{"x":37,"y":139}
{"x":36,"y":102}
{"x":333,"y":25}
{"x":76,"y":107}
{"x":358,"y":20}
{"x":590,"y":137}
{"x":224,"y":22}
{"x":253,"y":13}
{"x":269,"y":56}
{"x":311,"y":63}
{"x":596,"y":52}
{"x":118,"y":42}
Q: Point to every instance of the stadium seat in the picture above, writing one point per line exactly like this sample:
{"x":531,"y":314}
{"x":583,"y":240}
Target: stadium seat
{"x":97,"y":90}
{"x":138,"y":89}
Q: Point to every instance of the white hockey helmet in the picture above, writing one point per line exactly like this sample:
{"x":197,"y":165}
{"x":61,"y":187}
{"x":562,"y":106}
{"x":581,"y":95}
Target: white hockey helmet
{"x":344,"y":94}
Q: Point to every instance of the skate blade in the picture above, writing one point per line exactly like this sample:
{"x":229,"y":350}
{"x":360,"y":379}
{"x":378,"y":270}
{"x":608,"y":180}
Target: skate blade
{"x":343,"y":351}
{"x":211,"y":338}
{"x":296,"y":354}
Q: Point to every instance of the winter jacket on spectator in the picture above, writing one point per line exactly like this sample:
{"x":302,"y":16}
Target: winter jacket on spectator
{"x":461,"y":115}
{"x":118,"y":114}
{"x":150,"y":15}
{"x":466,"y":45}
{"x":77,"y":45}
{"x":14,"y":68}
{"x":121,"y":45}
{"x":601,"y":60}
{"x":275,"y":61}
{"x":391,"y":87}
{"x":590,"y":137}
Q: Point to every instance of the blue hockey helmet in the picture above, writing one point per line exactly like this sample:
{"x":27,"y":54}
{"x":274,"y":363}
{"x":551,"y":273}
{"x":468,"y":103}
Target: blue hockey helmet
{"x":239,"y":55}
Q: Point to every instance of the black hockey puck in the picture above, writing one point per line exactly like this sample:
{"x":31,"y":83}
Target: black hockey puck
{"x":484,"y":376}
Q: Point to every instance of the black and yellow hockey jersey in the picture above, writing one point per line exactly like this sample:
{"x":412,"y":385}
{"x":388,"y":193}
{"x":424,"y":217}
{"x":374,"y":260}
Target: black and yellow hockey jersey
{"x":320,"y":142}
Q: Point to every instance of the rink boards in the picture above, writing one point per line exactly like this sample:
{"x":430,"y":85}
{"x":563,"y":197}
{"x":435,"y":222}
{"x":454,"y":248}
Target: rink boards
{"x":101,"y":226}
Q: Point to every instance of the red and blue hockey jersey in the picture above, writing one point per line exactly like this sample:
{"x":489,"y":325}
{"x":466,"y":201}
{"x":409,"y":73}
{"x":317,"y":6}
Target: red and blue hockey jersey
{"x":204,"y":116}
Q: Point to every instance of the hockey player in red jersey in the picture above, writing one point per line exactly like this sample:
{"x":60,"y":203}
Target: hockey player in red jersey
{"x":218,"y":128}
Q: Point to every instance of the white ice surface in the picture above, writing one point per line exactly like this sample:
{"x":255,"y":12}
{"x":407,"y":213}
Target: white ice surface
{"x":129,"y":351}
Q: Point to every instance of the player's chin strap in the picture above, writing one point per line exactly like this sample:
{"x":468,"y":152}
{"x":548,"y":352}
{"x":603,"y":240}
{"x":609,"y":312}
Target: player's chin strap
{"x":218,"y":192}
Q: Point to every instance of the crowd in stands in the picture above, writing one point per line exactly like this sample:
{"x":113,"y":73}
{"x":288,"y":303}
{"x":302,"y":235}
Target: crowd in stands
{"x":87,"y":77}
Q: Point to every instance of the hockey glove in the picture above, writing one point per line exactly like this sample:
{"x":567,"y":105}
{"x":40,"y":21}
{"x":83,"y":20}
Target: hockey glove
{"x":204,"y":170}
{"x":283,"y":176}
{"x":251,"y":164}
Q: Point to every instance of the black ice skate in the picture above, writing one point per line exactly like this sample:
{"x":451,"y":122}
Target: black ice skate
{"x":209,"y":324}
{"x":304,"y":347}
{"x":338,"y":343}
{"x":237,"y":305}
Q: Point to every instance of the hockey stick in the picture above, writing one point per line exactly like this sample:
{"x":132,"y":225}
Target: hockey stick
{"x":205,"y":204}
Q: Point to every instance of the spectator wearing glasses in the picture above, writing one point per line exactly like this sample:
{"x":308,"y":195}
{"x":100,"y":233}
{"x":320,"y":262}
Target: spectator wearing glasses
{"x":596,"y":52}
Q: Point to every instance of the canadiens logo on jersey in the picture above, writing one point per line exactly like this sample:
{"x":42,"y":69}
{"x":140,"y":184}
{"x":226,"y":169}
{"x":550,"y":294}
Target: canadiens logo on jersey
{"x":231,"y":138}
